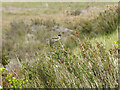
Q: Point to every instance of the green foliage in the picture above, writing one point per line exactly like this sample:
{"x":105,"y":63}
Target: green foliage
{"x":10,"y":80}
{"x":117,"y":43}
{"x":3,"y":69}
{"x":15,"y":83}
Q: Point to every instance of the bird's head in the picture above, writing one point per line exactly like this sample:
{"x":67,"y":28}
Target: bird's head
{"x":59,"y":35}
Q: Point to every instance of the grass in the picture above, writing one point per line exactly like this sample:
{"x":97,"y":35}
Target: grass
{"x":106,"y":40}
{"x":41,"y":5}
{"x":32,"y":10}
{"x":85,"y":58}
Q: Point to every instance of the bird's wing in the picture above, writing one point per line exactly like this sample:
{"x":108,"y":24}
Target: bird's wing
{"x":55,"y":37}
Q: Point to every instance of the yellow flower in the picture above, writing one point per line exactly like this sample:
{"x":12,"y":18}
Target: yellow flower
{"x":2,"y":69}
{"x":114,"y":42}
{"x":26,"y":80}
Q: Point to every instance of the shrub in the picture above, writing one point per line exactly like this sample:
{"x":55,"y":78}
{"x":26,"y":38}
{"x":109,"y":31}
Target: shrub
{"x":94,"y":67}
{"x":10,"y":81}
{"x":106,"y":22}
{"x":24,"y":38}
{"x":45,"y":22}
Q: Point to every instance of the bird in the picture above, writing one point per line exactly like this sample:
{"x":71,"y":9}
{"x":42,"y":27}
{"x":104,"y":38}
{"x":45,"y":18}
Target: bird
{"x":55,"y":39}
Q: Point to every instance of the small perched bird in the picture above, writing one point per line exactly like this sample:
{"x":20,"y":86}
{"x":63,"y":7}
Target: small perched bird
{"x":57,"y":38}
{"x":54,"y":39}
